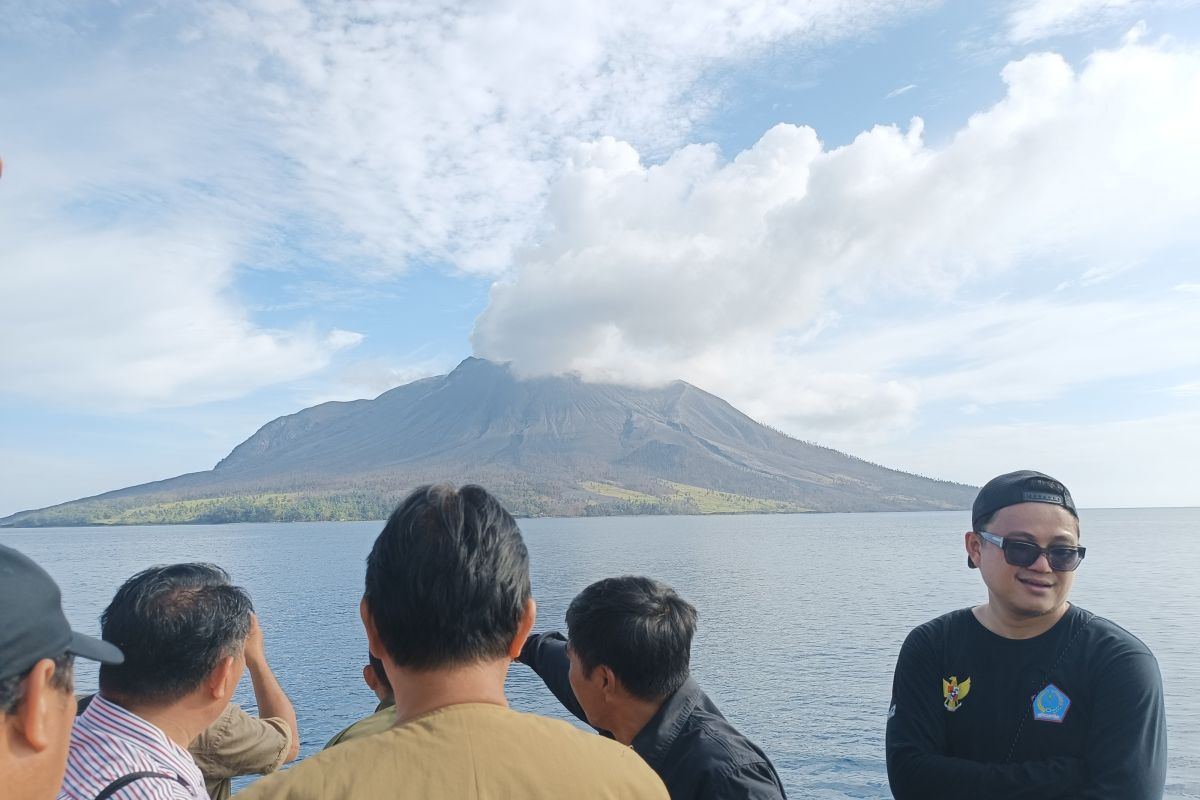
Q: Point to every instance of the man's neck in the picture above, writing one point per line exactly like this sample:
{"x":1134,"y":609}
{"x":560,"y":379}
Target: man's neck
{"x":179,"y":722}
{"x":1015,"y":626}
{"x":419,"y":692}
{"x":628,"y":720}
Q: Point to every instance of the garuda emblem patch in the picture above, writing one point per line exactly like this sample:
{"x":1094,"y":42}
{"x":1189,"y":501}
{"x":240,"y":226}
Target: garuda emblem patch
{"x":955,"y":692}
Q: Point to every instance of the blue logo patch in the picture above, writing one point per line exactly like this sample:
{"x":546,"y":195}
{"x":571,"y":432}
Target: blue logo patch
{"x":1050,"y":704}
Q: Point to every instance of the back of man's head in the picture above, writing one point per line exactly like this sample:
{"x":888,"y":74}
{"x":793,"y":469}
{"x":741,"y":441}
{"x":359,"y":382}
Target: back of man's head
{"x":448,"y":579}
{"x":175,"y":624}
{"x":638,"y":627}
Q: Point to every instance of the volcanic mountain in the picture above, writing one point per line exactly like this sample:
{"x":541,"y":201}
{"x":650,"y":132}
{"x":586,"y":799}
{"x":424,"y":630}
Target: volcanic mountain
{"x":545,"y":446}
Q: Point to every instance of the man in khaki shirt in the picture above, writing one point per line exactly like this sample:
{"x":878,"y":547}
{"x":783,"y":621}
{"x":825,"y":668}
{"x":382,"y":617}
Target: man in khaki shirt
{"x":385,"y":713}
{"x":239,"y":744}
{"x":447,"y":608}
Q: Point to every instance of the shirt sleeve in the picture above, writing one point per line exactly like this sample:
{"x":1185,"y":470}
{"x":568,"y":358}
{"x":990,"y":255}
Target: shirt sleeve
{"x":1127,"y":738}
{"x":239,"y":744}
{"x":917,"y":764}
{"x":546,"y":654}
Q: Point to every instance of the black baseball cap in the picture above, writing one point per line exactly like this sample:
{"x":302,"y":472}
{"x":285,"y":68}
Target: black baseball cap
{"x":1022,"y":486}
{"x":32,"y":623}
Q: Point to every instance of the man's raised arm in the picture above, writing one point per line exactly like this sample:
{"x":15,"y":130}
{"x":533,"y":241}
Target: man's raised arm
{"x":546,"y":654}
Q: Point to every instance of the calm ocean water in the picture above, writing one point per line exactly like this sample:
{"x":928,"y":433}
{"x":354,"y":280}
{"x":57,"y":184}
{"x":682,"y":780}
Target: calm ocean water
{"x":801,"y":616}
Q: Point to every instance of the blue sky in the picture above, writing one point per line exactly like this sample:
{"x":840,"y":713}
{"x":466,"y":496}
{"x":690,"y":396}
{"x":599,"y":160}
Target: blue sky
{"x":953,"y":237}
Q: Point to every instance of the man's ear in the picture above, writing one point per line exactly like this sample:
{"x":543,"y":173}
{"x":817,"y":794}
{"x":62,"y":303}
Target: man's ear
{"x":374,"y":644}
{"x":608,"y":680}
{"x":528,"y":617}
{"x":973,"y":545}
{"x":371,"y":678}
{"x":37,"y":707}
{"x":223,"y":680}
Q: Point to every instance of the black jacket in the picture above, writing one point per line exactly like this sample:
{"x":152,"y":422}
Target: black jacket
{"x":691,"y":746}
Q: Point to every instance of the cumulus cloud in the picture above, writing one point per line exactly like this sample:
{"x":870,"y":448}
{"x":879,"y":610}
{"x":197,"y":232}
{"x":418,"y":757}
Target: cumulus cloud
{"x":99,"y":319}
{"x":684,"y":268}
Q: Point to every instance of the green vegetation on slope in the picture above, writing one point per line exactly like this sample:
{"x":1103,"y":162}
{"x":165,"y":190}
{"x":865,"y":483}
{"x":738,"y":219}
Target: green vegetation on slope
{"x":277,"y":507}
{"x":682,"y":498}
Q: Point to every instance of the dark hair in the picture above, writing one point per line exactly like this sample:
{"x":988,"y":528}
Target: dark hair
{"x":448,"y":578}
{"x":174,"y":624}
{"x":12,"y":688}
{"x":380,"y":673}
{"x":639,"y":628}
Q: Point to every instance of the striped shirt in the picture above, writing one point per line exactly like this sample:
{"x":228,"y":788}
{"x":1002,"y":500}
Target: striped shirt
{"x":109,"y":742}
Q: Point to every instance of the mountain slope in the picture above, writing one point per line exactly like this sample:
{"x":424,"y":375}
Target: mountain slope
{"x":552,"y":445}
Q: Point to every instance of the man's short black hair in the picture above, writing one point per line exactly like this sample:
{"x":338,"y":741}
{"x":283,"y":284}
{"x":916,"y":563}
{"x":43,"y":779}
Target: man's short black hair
{"x":638,"y":627}
{"x":174,"y":624}
{"x":448,"y":579}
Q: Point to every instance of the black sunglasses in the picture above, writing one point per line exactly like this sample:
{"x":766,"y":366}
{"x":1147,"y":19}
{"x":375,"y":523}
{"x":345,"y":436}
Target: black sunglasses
{"x":1019,"y":553}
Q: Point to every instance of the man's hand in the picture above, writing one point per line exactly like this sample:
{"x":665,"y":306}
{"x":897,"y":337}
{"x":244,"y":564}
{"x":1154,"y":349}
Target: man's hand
{"x":256,"y":654}
{"x":272,"y":702}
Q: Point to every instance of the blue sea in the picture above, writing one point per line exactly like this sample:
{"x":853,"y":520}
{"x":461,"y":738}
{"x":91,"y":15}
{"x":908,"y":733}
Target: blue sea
{"x":801,"y":616}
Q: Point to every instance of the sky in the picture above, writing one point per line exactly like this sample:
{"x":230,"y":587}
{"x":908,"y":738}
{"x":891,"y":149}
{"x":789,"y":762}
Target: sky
{"x":954,"y":238}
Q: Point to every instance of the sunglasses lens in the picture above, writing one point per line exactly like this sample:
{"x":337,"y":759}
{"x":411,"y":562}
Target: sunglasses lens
{"x":1020,"y":554}
{"x":1064,"y":559}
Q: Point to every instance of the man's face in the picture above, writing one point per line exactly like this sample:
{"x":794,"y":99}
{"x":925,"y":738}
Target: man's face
{"x":1035,"y":590}
{"x":587,"y":689}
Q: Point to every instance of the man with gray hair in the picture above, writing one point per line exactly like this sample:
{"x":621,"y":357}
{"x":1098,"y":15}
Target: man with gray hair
{"x":183,"y":630}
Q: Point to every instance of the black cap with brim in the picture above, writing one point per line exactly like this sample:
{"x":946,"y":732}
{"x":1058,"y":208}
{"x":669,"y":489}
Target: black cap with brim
{"x":1013,"y":488}
{"x":32,"y":623}
{"x":94,"y":649}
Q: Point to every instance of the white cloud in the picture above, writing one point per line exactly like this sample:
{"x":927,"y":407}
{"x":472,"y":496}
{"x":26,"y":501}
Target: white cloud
{"x":368,"y":378}
{"x":901,"y":90}
{"x":229,"y":137}
{"x":1031,"y":20}
{"x":431,"y":131}
{"x":119,"y":319}
{"x":698,"y":267}
{"x":1113,"y":463}
{"x":1187,"y":389}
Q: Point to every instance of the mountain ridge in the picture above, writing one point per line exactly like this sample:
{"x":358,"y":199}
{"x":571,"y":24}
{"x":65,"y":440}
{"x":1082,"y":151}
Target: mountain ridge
{"x":551,"y":445}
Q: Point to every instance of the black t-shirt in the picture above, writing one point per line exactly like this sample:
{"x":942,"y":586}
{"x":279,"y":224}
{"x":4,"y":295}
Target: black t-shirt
{"x":1076,"y":712}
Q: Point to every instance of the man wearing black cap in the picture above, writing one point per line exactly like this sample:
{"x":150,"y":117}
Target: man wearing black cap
{"x":37,"y":704}
{"x":1027,"y":695}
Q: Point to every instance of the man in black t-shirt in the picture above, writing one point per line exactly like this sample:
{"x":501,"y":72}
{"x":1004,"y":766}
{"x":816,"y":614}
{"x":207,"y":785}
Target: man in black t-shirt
{"x":1025,"y":696}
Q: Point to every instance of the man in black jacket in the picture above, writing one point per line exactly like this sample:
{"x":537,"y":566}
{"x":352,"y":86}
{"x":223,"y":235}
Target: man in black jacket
{"x":1026,"y":695}
{"x":625,"y":672}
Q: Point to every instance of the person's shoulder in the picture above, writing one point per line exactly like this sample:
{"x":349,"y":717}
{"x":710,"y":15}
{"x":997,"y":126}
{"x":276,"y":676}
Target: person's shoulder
{"x":380,"y":721}
{"x":714,"y":747}
{"x":1107,"y":638}
{"x":610,"y":769}
{"x":949,"y":624}
{"x":222,"y":728}
{"x":328,"y":773}
{"x":519,"y":750}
